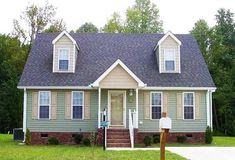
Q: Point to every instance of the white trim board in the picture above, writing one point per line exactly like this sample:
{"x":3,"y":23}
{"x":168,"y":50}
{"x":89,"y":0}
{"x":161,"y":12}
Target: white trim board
{"x":118,"y":62}
{"x":68,"y":35}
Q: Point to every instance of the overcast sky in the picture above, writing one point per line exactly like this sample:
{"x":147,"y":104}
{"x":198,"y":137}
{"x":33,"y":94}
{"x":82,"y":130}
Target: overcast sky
{"x":178,"y":16}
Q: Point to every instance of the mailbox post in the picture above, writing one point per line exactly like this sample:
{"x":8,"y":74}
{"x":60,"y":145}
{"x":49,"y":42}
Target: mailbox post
{"x":164,"y":126}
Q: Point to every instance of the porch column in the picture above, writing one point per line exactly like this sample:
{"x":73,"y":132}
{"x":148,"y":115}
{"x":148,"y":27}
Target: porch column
{"x":208,"y":107}
{"x":99,"y":104}
{"x":211,"y":111}
{"x":24,"y":111}
{"x":137,"y":106}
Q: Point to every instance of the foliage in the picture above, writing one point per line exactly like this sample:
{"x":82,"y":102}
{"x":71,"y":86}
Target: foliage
{"x":27,"y":137}
{"x":156,"y":138}
{"x":181,"y":139}
{"x":208,"y":135}
{"x":143,"y":17}
{"x":12,"y":59}
{"x":37,"y":19}
{"x":58,"y":26}
{"x":114,"y":24}
{"x":220,"y":58}
{"x":78,"y":138}
{"x":147,"y":141}
{"x":86,"y":141}
{"x":87,"y":27}
{"x":53,"y":141}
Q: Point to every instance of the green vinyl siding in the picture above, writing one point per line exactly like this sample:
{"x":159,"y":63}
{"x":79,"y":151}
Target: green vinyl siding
{"x":60,"y":124}
{"x":178,"y":125}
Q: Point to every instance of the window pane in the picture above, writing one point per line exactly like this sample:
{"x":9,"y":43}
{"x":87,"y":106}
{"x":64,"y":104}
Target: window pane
{"x":170,"y":65}
{"x":44,"y":112}
{"x":77,"y":112}
{"x":78,"y":98}
{"x":188,"y":112}
{"x":188,"y":99}
{"x":44,"y":98}
{"x":169,"y":54}
{"x":64,"y":54}
{"x":156,"y":112}
{"x":63,"y":64}
{"x":156,"y":98}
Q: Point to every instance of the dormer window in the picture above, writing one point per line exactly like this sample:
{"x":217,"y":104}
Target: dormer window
{"x":63,"y":59}
{"x":169,"y":60}
{"x":167,"y":52}
{"x":65,"y":51}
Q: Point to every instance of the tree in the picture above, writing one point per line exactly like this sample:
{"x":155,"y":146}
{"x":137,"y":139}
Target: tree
{"x":143,"y":17}
{"x":58,"y":26}
{"x":220,"y":56}
{"x":36,"y":19}
{"x":12,"y":60}
{"x":201,"y":33}
{"x":87,"y":27}
{"x":114,"y":24}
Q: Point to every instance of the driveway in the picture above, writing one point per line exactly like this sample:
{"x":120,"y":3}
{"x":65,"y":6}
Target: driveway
{"x":204,"y":153}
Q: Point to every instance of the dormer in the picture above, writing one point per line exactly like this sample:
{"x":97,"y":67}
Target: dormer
{"x":168,"y":54}
{"x":65,"y":50}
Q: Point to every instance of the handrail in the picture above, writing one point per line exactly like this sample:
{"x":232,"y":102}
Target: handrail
{"x":131,"y":128}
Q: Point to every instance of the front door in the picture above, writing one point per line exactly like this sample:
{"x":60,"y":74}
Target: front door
{"x":117,"y":108}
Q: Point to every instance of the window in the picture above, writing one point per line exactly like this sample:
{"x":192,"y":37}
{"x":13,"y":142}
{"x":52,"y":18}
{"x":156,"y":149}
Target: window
{"x":44,"y":104}
{"x":63,"y":59}
{"x":169,"y":59}
{"x":156,"y":104}
{"x":77,"y":108}
{"x":188,"y":106}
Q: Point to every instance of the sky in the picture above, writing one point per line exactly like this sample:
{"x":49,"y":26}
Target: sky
{"x":178,"y":16}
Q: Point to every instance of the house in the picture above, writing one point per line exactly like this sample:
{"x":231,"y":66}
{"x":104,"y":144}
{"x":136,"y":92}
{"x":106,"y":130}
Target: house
{"x":71,"y":78}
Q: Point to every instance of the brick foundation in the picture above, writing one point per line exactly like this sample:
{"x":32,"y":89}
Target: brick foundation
{"x":63,"y":137}
{"x":192,"y":137}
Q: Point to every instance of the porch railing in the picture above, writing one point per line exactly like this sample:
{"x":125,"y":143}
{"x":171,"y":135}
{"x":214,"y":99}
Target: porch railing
{"x":132,"y":124}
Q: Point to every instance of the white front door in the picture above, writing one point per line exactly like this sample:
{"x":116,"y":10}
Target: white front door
{"x":117,"y":108}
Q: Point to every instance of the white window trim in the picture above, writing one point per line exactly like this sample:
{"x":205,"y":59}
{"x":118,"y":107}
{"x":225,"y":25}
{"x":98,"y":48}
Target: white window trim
{"x":151,"y":103}
{"x":39,"y":92}
{"x":83,"y":96}
{"x":173,"y":71}
{"x":193,"y":105}
{"x":59,"y":60}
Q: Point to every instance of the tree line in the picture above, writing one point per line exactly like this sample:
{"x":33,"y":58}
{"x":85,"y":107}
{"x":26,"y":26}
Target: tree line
{"x":216,"y":43}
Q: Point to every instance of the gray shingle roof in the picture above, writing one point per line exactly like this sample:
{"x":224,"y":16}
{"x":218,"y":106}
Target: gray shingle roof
{"x":98,"y":51}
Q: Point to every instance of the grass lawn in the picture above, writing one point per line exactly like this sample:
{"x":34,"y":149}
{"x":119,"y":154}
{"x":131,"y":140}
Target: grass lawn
{"x":218,"y":141}
{"x":10,"y":150}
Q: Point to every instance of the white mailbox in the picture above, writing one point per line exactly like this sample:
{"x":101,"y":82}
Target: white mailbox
{"x":165,"y":123}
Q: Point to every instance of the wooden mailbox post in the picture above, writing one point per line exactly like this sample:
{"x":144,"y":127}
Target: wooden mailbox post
{"x":164,"y":126}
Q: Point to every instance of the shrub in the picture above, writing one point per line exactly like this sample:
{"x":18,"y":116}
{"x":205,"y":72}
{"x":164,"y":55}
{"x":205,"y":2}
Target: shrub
{"x":86,"y":142}
{"x":208,"y":135}
{"x":78,"y":138}
{"x":53,"y":141}
{"x":181,"y":139}
{"x":156,"y":138}
{"x":27,"y":137}
{"x":147,"y":141}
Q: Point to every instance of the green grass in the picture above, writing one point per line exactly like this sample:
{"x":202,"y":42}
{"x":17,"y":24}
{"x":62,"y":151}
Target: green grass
{"x":10,"y":150}
{"x":219,"y":141}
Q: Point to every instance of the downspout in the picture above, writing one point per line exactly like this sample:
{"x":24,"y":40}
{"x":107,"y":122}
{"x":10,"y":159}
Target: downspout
{"x":137,"y":107}
{"x":24,"y":111}
{"x":99,"y":105}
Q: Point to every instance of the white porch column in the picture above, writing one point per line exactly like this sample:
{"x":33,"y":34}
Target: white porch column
{"x":137,"y":106}
{"x":208,"y":107}
{"x":211,"y":111}
{"x":24,"y":111}
{"x":99,"y":105}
